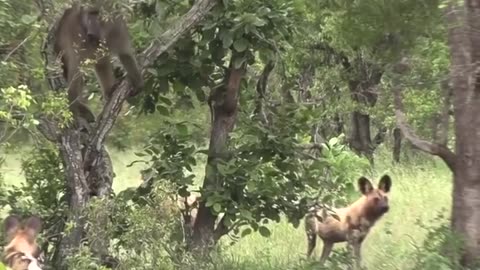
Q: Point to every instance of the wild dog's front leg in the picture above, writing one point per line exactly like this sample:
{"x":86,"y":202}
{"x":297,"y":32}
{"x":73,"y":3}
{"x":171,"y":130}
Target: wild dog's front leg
{"x":354,"y":246}
{"x":327,"y":249}
{"x":357,"y":246}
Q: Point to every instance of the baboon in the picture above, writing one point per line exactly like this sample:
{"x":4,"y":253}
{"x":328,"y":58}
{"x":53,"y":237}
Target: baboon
{"x":82,"y":33}
{"x":22,"y":251}
{"x":350,"y":224}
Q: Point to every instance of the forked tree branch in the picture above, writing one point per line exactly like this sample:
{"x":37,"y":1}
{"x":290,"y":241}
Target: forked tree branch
{"x":111,"y":110}
{"x":432,"y":148}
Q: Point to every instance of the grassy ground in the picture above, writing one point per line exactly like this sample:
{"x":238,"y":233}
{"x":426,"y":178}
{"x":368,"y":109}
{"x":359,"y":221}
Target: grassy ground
{"x":421,"y":188}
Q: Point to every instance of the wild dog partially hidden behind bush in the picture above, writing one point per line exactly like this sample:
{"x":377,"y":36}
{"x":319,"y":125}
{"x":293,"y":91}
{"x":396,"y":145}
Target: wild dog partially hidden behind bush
{"x":22,"y":251}
{"x":350,"y":224}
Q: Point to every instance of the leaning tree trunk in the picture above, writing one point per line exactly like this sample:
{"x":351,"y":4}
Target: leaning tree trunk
{"x":224,"y":108}
{"x":88,"y":168}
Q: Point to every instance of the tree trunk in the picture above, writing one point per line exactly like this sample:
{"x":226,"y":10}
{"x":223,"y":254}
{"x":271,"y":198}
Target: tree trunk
{"x":397,"y":144}
{"x":363,"y":93}
{"x":360,"y":138}
{"x":224,"y":109}
{"x":466,"y":91}
{"x":464,"y":41}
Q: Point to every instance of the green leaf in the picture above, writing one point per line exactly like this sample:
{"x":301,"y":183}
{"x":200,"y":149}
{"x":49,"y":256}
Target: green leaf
{"x":165,"y":100}
{"x":182,"y":129}
{"x":246,"y":232}
{"x":227,"y":40}
{"x":217,"y":207}
{"x":246,"y":214}
{"x":165,"y":70}
{"x":240,"y":45}
{"x":178,"y":86}
{"x":163,"y":110}
{"x":264,"y":231}
{"x":209,"y":202}
{"x":259,"y":22}
{"x":333,"y":141}
{"x":238,"y":62}
{"x":28,"y":19}
{"x":222,"y":169}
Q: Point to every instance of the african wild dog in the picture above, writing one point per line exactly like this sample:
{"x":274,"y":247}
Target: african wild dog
{"x":21,"y":251}
{"x":352,"y":223}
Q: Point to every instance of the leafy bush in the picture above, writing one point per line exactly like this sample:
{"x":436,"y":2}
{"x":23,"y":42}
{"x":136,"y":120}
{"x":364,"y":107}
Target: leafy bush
{"x":442,"y":248}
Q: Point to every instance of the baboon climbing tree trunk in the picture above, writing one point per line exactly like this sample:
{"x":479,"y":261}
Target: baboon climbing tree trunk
{"x":88,"y":169}
{"x":464,"y":41}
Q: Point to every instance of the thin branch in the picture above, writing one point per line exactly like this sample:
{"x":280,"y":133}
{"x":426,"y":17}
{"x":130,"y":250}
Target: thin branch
{"x":17,"y":47}
{"x":432,"y":148}
{"x":262,"y":90}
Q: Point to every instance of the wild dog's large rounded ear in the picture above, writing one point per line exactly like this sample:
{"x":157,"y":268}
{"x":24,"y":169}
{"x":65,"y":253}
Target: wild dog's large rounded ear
{"x":365,"y":185}
{"x":33,"y":225}
{"x":10,"y":225}
{"x":385,"y":183}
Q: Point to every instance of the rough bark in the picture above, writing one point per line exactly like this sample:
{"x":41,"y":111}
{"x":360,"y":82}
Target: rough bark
{"x":464,"y":41}
{"x":89,"y":172}
{"x":224,"y":108}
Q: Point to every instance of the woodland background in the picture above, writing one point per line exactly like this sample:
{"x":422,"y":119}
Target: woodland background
{"x":312,"y":95}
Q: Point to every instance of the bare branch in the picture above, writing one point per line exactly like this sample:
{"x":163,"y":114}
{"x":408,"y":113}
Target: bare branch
{"x":432,"y":148}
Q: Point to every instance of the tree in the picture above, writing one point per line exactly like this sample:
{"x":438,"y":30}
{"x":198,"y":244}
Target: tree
{"x":463,"y":20}
{"x":87,"y":164}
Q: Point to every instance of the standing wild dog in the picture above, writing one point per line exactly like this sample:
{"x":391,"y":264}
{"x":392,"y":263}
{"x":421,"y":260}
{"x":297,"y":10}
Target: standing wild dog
{"x":21,"y":251}
{"x":352,"y":223}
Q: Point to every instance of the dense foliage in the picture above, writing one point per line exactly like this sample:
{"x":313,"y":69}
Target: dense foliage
{"x":313,"y":71}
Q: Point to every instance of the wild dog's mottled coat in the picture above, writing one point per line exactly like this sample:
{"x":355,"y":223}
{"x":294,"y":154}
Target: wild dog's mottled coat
{"x":353,"y":223}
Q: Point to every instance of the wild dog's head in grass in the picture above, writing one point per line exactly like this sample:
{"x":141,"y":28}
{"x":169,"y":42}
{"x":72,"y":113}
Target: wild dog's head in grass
{"x":21,"y":251}
{"x":351,"y":223}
